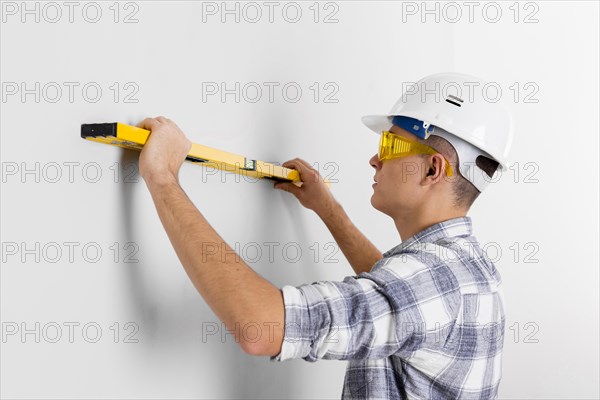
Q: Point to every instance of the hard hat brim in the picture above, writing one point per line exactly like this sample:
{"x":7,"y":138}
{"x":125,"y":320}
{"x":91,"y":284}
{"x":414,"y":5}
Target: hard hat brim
{"x":378,"y":123}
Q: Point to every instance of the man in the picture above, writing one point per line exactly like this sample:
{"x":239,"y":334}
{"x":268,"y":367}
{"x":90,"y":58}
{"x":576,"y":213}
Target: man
{"x":424,"y":319}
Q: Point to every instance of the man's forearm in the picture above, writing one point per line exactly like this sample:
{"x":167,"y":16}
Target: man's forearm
{"x":235,"y":292}
{"x":359,"y":251}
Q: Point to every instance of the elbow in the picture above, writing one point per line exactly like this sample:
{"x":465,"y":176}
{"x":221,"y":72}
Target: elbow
{"x":253,"y":349}
{"x":262,"y":332}
{"x":262,"y":347}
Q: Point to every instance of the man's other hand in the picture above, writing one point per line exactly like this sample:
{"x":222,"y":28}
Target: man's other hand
{"x":165,"y":150}
{"x":313,"y":192}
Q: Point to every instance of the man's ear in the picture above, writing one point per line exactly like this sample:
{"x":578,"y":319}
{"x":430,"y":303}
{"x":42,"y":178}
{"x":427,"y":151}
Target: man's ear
{"x":435,"y":169}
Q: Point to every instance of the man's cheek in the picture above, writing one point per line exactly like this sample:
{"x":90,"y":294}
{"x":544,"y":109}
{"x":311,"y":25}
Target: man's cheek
{"x":410,"y":170}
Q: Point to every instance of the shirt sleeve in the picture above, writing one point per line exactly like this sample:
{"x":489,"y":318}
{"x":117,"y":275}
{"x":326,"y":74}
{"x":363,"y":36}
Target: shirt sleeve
{"x":373,"y":315}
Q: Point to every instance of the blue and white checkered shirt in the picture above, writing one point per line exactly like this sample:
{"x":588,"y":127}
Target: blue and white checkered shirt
{"x":427,"y":322}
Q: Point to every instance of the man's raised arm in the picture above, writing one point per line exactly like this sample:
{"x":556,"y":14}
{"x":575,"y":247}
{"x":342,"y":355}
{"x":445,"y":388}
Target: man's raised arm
{"x":315,"y":195}
{"x":238,"y":295}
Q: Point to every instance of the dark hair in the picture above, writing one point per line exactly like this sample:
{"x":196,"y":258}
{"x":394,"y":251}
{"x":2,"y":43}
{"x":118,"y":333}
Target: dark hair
{"x":464,"y":191}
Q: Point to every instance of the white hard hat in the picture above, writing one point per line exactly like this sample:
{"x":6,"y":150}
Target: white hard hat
{"x":469,"y":112}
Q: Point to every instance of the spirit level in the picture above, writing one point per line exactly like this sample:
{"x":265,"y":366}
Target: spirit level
{"x":132,"y":137}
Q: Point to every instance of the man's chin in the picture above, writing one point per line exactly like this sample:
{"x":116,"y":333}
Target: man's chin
{"x":374,"y":202}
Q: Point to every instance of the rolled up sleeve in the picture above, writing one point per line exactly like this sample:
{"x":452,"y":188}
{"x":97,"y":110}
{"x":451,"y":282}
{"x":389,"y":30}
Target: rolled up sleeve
{"x":373,"y":315}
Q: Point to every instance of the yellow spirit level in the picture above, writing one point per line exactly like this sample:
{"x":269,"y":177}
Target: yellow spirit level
{"x":132,"y":137}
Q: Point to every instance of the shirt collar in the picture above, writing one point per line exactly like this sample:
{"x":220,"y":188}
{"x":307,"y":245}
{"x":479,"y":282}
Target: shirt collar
{"x":460,"y":226}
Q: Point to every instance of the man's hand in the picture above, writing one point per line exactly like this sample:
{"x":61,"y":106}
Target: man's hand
{"x":165,"y":150}
{"x":314,"y":193}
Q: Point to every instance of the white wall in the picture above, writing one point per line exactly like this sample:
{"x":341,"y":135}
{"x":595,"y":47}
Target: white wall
{"x":547,"y":205}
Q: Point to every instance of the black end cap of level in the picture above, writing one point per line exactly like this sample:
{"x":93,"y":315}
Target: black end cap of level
{"x":94,"y":130}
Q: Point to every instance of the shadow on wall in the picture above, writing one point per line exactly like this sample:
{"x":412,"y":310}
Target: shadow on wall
{"x":279,"y":215}
{"x":277,"y":378}
{"x":142,"y":302}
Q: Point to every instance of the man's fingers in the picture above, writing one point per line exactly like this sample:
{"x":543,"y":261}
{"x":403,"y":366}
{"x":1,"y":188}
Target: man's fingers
{"x":301,"y":166}
{"x":294,"y":164}
{"x":151,"y":123}
{"x":305,"y":164}
{"x":148,"y":123}
{"x":307,"y":173}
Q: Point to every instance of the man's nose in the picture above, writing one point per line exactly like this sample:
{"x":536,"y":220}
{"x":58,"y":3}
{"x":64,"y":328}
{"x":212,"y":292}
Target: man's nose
{"x":374,"y":161}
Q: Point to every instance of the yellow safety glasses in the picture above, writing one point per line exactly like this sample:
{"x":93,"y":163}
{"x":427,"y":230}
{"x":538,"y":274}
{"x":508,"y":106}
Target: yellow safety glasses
{"x":396,"y":146}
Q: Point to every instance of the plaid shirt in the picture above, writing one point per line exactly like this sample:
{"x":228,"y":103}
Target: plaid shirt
{"x":427,"y":322}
